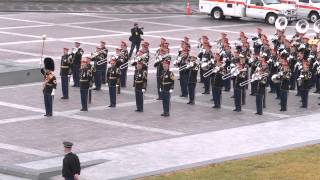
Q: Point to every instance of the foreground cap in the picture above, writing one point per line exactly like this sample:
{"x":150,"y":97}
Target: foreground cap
{"x":67,"y":144}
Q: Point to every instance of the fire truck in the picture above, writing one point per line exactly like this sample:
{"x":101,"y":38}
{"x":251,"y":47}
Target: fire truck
{"x":268,"y":10}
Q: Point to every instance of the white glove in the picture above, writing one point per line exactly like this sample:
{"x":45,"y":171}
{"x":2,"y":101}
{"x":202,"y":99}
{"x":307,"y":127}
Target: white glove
{"x":160,"y":90}
{"x":91,"y":63}
{"x":53,"y":92}
{"x":143,"y":90}
{"x":171,"y":91}
{"x":107,"y":84}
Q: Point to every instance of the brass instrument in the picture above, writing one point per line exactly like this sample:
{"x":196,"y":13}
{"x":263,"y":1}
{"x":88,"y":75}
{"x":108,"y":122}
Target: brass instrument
{"x":302,"y":26}
{"x":233,"y":72}
{"x":281,"y":23}
{"x":254,"y":77}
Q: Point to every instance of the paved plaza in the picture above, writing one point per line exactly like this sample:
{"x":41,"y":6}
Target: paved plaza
{"x":131,"y":144}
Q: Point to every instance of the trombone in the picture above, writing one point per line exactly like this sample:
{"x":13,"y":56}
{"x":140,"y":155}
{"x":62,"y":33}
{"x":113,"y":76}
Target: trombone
{"x":215,"y":69}
{"x":102,"y":61}
{"x":233,"y":72}
{"x":255,"y":77}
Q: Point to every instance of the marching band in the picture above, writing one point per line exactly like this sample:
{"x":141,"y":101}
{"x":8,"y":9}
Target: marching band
{"x":283,"y":64}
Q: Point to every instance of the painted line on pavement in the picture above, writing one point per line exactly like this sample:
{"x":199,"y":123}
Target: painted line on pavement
{"x":26,"y":150}
{"x":126,"y":125}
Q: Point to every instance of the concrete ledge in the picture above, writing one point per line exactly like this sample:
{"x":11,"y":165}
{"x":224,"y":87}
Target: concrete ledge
{"x":20,"y":76}
{"x":44,"y":174}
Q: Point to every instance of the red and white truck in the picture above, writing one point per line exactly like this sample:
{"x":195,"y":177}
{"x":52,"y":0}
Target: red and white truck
{"x":269,"y":10}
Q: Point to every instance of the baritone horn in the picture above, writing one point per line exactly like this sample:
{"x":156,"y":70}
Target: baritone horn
{"x":302,"y":26}
{"x":281,"y":23}
{"x":44,"y":37}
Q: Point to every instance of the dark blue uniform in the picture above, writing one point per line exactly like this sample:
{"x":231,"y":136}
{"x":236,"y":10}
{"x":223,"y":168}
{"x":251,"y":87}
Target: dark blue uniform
{"x":206,"y":57}
{"x":260,"y":92}
{"x":76,"y":56}
{"x":306,"y":77}
{"x":217,"y":84}
{"x":104,"y":55}
{"x":113,"y":80}
{"x":140,"y":85}
{"x":183,"y":75}
{"x":123,"y":58}
{"x":65,"y":71}
{"x":192,"y":82}
{"x":49,"y":84}
{"x":285,"y":81}
{"x":238,"y":90}
{"x":227,"y":60}
{"x":158,"y":65}
{"x":86,"y":78}
{"x":167,"y":83}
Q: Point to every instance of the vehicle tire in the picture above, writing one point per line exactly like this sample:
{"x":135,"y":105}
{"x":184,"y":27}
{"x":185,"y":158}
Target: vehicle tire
{"x":313,"y":17}
{"x":217,"y":14}
{"x":271,"y":18}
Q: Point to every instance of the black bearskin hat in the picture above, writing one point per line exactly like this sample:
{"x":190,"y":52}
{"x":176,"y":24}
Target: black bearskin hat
{"x":49,"y":63}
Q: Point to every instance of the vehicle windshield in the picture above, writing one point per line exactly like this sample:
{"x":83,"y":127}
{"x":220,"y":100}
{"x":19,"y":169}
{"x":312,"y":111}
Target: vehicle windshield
{"x":315,"y":1}
{"x":274,"y":1}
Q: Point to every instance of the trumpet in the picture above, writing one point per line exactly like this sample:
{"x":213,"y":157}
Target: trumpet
{"x":254,"y":77}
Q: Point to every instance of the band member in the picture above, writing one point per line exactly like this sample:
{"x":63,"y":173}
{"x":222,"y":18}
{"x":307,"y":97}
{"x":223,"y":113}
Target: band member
{"x":135,"y":38}
{"x":184,"y":74}
{"x":167,"y":84}
{"x":292,"y":61}
{"x":284,"y":86}
{"x":104,"y":55}
{"x":305,"y":81}
{"x":227,"y":59}
{"x":86,"y":81}
{"x":162,"y":56}
{"x":113,"y":80}
{"x":261,"y":77}
{"x":217,"y":81}
{"x":65,"y":72}
{"x":49,"y":84}
{"x":205,"y":58}
{"x":124,"y":58}
{"x":193,"y":67}
{"x":140,"y":85}
{"x":240,"y":78}
{"x":254,"y":64}
{"x":143,"y":55}
{"x":299,"y":68}
{"x":77,"y":53}
{"x":97,"y":58}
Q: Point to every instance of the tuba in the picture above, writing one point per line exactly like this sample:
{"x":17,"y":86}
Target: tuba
{"x":281,"y":23}
{"x":302,"y":26}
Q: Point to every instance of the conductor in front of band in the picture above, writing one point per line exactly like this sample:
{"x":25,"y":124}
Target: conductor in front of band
{"x":135,"y":38}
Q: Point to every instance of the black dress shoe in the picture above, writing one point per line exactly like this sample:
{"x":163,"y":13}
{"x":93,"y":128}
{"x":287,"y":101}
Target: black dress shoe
{"x":216,"y":107}
{"x":166,"y":114}
{"x":237,"y":110}
{"x":319,"y":104}
{"x":303,"y":106}
{"x":258,"y":113}
{"x":45,"y":115}
{"x":159,"y":99}
{"x":283,"y":110}
{"x":162,"y":114}
{"x":191,"y":103}
{"x":64,"y":98}
{"x":83,"y":109}
{"x":49,"y":115}
{"x":205,"y":93}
